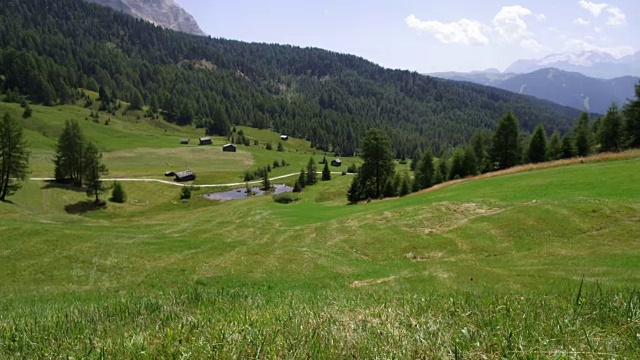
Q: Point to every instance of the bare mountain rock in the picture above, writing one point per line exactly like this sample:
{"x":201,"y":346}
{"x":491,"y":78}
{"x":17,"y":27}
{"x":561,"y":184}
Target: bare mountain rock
{"x":165,"y":13}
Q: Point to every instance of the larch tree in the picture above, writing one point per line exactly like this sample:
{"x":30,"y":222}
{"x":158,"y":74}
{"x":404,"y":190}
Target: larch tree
{"x":312,"y":177}
{"x":94,"y":170}
{"x":302,"y":179}
{"x":632,"y":123}
{"x":425,"y":171}
{"x":377,"y":169}
{"x":611,"y":135}
{"x":505,"y":149}
{"x":326,"y":172}
{"x":538,"y":146}
{"x":14,"y":156}
{"x":69,"y":157}
{"x":555,"y":146}
{"x":583,"y":136}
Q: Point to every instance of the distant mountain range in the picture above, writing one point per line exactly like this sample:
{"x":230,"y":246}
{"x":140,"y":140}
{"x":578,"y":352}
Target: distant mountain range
{"x":165,"y":13}
{"x":596,"y":64}
{"x":562,"y":87}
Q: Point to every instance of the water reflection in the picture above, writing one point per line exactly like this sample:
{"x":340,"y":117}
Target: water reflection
{"x":242,"y":193}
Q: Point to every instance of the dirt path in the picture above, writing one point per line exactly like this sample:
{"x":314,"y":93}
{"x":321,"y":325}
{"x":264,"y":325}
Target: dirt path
{"x":173,"y":183}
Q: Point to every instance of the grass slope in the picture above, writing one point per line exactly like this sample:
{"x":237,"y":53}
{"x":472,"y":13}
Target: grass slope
{"x":482,"y":268}
{"x":139,"y":147}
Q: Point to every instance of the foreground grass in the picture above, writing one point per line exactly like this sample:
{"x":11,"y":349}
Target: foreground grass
{"x":197,"y":322}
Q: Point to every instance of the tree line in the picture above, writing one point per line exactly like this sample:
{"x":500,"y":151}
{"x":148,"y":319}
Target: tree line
{"x":506,"y":147}
{"x":51,"y":48}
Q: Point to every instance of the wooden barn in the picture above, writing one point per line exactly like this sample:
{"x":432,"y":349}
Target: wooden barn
{"x":229,"y":148}
{"x":284,"y":137}
{"x":336,"y":162}
{"x":206,"y":141}
{"x":184,"y":176}
{"x":184,"y":141}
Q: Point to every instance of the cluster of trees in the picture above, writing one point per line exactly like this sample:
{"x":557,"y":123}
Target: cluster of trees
{"x":505,"y":148}
{"x":78,"y":161}
{"x":309,"y":175}
{"x":263,"y":171}
{"x":50,"y":48}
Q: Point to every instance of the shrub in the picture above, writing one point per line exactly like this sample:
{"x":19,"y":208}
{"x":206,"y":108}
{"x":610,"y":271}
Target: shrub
{"x":286,"y":198}
{"x":118,"y":195}
{"x":185,"y":194}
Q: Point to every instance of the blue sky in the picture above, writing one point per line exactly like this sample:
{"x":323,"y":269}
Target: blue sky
{"x":429,"y":36}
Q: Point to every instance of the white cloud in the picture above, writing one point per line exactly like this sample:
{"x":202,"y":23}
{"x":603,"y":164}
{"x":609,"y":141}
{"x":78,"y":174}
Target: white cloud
{"x":534,"y":47}
{"x":509,"y":23}
{"x":581,"y":21}
{"x":576,"y":45}
{"x":617,"y":17}
{"x":464,"y":31}
{"x":594,"y":8}
{"x":541,"y":17}
{"x":598,"y":30}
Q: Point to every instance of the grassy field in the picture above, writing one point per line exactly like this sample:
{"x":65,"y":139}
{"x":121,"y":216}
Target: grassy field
{"x":486,"y":268}
{"x":139,"y":147}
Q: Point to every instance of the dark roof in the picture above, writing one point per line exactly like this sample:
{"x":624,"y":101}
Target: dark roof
{"x":184,"y":174}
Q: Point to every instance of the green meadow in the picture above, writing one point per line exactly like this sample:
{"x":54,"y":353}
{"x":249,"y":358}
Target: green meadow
{"x":533,"y":264}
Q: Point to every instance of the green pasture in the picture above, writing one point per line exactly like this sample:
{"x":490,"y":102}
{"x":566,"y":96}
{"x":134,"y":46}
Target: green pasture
{"x":139,"y":147}
{"x":485,"y":268}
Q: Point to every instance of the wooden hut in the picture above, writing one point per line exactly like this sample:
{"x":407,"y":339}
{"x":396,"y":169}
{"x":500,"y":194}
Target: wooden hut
{"x":184,"y":176}
{"x":206,"y":141}
{"x":229,"y":148}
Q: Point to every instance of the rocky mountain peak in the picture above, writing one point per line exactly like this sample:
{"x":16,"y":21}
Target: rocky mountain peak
{"x":165,"y":13}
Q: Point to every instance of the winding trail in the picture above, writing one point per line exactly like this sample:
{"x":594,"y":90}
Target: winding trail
{"x":173,"y":183}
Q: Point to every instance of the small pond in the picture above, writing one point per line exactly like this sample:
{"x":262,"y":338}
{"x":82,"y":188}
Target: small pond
{"x":242,"y":193}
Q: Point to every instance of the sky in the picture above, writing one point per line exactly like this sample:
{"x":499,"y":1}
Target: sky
{"x":429,"y":36}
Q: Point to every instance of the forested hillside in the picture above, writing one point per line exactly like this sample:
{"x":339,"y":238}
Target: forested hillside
{"x":48,"y":48}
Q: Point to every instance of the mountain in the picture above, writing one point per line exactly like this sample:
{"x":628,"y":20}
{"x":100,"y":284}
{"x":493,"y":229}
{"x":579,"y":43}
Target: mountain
{"x":572,"y":89}
{"x":488,"y":78}
{"x":165,"y":13}
{"x":562,"y":87}
{"x":591,"y":63}
{"x":51,"y":48}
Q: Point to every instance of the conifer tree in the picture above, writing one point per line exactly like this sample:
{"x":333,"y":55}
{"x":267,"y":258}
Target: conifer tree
{"x":94,"y":169}
{"x":69,"y":158}
{"x":302,"y":179}
{"x":405,"y":186}
{"x":14,"y":156}
{"x":425,"y":170}
{"x":312,"y":176}
{"x":378,"y":164}
{"x":568,"y":150}
{"x":470,"y":162}
{"x":326,"y":172}
{"x":505,"y":150}
{"x":611,"y":135}
{"x":118,"y":194}
{"x":266,"y":184}
{"x":632,"y":123}
{"x":537,"y":152}
{"x":582,"y":136}
{"x":354,"y":194}
{"x":555,"y":146}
